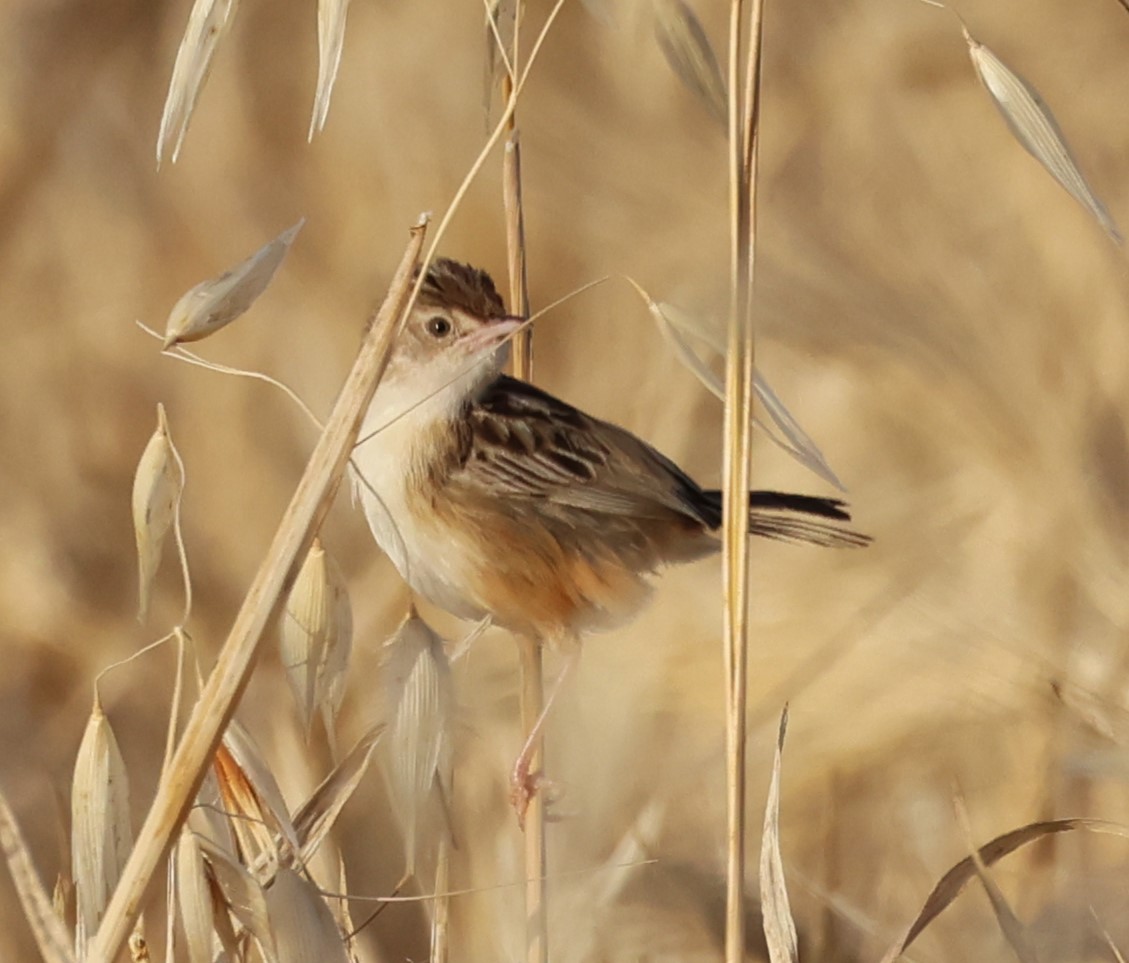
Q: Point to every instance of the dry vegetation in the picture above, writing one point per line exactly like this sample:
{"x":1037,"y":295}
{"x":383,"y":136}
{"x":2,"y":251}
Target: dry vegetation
{"x":943,"y":319}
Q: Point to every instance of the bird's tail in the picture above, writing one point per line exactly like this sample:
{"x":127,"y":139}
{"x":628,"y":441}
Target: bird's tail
{"x":800,"y":518}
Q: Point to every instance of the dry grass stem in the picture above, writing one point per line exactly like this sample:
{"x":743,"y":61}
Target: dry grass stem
{"x":217,"y":701}
{"x":213,"y":304}
{"x":742,"y":130}
{"x":207,"y":23}
{"x":441,"y":905}
{"x":46,"y":926}
{"x":530,"y":657}
{"x":331,"y":38}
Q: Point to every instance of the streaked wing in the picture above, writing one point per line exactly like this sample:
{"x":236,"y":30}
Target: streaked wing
{"x":522,"y":443}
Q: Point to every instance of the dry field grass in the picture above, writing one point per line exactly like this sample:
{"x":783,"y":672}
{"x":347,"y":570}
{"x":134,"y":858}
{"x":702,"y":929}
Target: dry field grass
{"x":943,"y":319}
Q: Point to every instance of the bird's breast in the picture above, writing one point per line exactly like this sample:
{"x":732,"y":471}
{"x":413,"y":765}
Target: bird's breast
{"x":395,"y":471}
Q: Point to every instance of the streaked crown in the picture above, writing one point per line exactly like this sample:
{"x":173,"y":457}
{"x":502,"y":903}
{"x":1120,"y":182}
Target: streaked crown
{"x":451,"y":284}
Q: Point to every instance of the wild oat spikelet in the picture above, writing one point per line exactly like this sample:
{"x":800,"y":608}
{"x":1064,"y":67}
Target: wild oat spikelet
{"x":420,"y":704}
{"x":316,"y":638}
{"x":157,"y":485}
{"x":216,"y":302}
{"x":101,"y":834}
{"x":1031,"y":122}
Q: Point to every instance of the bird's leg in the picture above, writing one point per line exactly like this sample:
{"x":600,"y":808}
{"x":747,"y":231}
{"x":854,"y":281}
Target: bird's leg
{"x":524,"y":784}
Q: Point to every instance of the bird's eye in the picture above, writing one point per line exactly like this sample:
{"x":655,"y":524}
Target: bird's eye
{"x":438,"y":326}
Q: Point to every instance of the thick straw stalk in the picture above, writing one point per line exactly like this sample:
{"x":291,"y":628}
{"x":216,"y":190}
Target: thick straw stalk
{"x":225,"y":685}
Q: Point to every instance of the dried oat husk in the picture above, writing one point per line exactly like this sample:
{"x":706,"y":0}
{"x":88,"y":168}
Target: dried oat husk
{"x":420,"y":708}
{"x":157,"y":485}
{"x":216,"y":302}
{"x":101,"y":833}
{"x":316,"y":638}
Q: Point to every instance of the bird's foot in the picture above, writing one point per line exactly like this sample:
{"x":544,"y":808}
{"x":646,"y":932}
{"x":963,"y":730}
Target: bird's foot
{"x":524,"y":785}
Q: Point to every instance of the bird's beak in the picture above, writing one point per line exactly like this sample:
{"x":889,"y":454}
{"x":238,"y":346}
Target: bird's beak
{"x":493,"y":332}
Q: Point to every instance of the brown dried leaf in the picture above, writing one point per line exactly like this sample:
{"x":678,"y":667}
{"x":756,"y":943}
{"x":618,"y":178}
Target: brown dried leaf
{"x":1009,"y":924}
{"x":206,"y":24}
{"x":101,"y":835}
{"x":46,"y":927}
{"x":419,"y":702}
{"x":1034,"y":126}
{"x":317,"y":814}
{"x":316,"y":637}
{"x":248,"y":787}
{"x":216,"y":302}
{"x":303,"y":925}
{"x":331,"y":38}
{"x":157,"y":485}
{"x":194,"y":898}
{"x":779,"y":928}
{"x":242,"y":893}
{"x":953,"y":882}
{"x":687,"y":49}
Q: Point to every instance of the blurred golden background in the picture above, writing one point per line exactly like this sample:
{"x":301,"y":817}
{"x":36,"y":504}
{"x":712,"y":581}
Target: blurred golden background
{"x":945,"y":321}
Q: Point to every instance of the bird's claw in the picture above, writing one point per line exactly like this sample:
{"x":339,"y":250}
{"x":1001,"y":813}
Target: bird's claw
{"x":524,"y":785}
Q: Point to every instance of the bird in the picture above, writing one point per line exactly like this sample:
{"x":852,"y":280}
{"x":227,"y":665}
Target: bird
{"x":495,"y":499}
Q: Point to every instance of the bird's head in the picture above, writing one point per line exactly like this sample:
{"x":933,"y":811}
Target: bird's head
{"x":454,"y":340}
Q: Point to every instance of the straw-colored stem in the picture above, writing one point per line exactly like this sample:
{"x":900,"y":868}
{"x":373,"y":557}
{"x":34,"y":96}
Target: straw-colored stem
{"x":515,"y":250}
{"x":530,"y":658}
{"x":743,"y":141}
{"x":536,"y":900}
{"x":441,"y":909}
{"x":219,"y":696}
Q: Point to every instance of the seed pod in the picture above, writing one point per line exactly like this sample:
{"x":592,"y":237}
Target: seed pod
{"x":101,"y":836}
{"x":157,"y":485}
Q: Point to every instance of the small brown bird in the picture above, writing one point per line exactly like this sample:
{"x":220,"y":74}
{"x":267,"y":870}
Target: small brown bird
{"x":494,"y":498}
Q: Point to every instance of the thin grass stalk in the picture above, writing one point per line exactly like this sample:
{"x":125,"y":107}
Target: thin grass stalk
{"x":743,"y":117}
{"x":531,"y":664}
{"x":441,"y":908}
{"x":536,"y":898}
{"x":225,"y":685}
